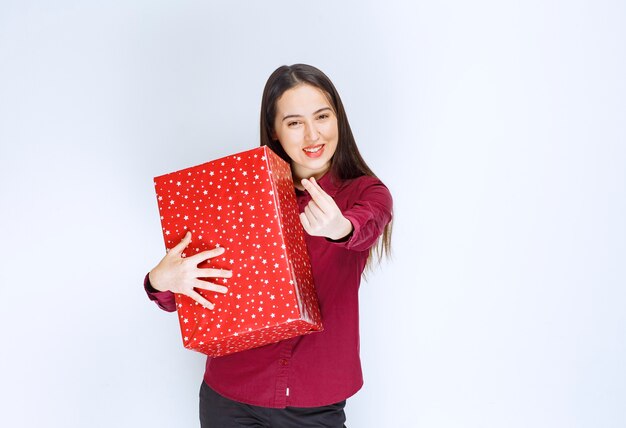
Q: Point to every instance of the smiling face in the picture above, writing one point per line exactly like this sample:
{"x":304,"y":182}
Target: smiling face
{"x":306,"y":127}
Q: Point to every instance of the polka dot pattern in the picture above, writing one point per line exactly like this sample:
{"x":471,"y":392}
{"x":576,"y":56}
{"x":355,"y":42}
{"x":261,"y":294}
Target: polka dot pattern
{"x":246,"y":203}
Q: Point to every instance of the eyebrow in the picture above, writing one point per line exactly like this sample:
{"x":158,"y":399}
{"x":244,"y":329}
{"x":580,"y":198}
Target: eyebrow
{"x":289,"y":116}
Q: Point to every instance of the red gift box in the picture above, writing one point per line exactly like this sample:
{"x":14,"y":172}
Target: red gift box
{"x":246,"y":203}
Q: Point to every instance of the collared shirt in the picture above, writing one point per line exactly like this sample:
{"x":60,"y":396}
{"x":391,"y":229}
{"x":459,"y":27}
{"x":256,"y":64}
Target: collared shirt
{"x":321,"y":368}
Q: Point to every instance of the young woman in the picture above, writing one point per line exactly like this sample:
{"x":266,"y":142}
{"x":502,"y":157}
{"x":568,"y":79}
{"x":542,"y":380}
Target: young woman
{"x":346,"y":213}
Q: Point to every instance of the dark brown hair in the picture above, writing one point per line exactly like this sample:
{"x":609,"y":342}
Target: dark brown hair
{"x":347,"y":162}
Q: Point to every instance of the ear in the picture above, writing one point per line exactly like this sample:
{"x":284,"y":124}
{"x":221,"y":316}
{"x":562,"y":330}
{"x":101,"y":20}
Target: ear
{"x":274,"y":136}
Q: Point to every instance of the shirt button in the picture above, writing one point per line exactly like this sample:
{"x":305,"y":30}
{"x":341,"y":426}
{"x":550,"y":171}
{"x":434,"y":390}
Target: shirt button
{"x":284,"y":362}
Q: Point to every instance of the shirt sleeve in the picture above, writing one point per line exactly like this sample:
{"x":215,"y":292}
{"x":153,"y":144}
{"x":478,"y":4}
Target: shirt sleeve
{"x":164,"y":299}
{"x":369,"y":215}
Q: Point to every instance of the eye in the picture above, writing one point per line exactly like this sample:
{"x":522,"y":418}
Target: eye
{"x":293,"y":123}
{"x":323,"y":116}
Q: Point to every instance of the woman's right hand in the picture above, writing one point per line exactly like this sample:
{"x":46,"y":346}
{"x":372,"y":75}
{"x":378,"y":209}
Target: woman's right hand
{"x":182,"y":274}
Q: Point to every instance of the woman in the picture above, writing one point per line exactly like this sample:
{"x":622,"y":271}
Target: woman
{"x":345,"y":212}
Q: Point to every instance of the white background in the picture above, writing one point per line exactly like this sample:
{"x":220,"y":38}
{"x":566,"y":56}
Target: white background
{"x":499,"y":126}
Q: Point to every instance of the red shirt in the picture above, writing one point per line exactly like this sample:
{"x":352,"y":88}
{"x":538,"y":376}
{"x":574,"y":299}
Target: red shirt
{"x":319,"y":368}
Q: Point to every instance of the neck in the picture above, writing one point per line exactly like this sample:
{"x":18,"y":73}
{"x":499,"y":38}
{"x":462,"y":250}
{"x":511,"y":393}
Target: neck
{"x":297,"y":178}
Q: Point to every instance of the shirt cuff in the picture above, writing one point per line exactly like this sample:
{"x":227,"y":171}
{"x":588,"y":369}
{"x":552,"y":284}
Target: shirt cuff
{"x":345,"y":238}
{"x":164,"y":299}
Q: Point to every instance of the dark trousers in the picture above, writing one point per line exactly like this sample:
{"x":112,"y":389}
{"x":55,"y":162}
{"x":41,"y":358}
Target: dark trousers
{"x":220,"y":412}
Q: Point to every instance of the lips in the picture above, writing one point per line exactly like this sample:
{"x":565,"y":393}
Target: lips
{"x":314,"y":152}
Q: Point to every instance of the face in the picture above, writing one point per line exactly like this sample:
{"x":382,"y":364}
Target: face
{"x":306,"y":127}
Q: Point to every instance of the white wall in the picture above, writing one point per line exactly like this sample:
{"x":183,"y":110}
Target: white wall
{"x":499,"y":127}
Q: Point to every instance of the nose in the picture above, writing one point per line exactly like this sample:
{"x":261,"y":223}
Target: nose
{"x":311,"y":132}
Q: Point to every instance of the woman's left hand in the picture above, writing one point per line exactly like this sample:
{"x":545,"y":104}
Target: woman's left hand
{"x":322,"y":216}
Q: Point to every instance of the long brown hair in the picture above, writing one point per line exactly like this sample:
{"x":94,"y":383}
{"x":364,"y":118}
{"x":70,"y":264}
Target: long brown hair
{"x":347,"y":162}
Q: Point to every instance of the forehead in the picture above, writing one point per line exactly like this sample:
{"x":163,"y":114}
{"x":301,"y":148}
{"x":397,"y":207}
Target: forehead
{"x":302,"y":100}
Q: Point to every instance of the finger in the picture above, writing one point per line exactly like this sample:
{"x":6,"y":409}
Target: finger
{"x":321,"y":190}
{"x":210,"y":286}
{"x":213,"y":273}
{"x":316,"y":192}
{"x":313,"y":218}
{"x":206,"y":255}
{"x":325,"y":196}
{"x":315,"y":210}
{"x":198,"y":298}
{"x":305,"y":223}
{"x":178,"y":248}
